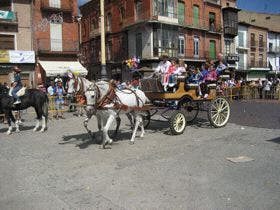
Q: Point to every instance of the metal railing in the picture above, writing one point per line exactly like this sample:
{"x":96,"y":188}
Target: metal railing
{"x":63,"y":6}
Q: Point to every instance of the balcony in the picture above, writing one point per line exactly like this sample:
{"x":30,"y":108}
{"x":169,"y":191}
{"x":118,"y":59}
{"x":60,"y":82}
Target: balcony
{"x":258,"y":64}
{"x":64,"y":6}
{"x":274,"y":49}
{"x":57,"y":46}
{"x":200,"y":55}
{"x":215,"y":2}
{"x":8,"y":18}
{"x":147,"y":16}
{"x":97,"y":31}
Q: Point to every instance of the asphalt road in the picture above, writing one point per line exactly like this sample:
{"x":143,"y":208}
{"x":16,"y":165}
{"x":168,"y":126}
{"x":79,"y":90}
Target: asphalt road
{"x":64,"y":169}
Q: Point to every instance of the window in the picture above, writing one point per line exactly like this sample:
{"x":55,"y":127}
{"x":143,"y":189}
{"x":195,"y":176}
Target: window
{"x":261,"y":60}
{"x":227,"y":46}
{"x":7,"y":42}
{"x":181,"y":12}
{"x":181,"y":45}
{"x":55,"y":3}
{"x":56,"y":37}
{"x":167,"y":8}
{"x":109,"y":50}
{"x":253,"y":40}
{"x":252,"y":59}
{"x":138,"y":45}
{"x":212,"y":50}
{"x":212,"y":21}
{"x":261,"y":43}
{"x":196,"y":46}
{"x":165,"y":42}
{"x":195,"y":15}
{"x":270,"y":47}
{"x":241,"y":62}
{"x":109,"y":22}
{"x":241,"y":39}
{"x":138,"y":9}
{"x":122,"y":13}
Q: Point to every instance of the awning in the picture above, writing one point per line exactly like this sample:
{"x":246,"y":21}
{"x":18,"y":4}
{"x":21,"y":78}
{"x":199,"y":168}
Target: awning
{"x":53,"y":68}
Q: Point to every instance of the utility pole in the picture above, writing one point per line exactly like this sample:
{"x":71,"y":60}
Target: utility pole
{"x":104,"y":74}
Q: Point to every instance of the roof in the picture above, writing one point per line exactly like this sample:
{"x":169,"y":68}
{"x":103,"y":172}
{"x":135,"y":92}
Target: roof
{"x":263,"y":20}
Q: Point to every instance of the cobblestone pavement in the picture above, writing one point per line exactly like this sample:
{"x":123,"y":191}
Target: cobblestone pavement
{"x":64,"y":169}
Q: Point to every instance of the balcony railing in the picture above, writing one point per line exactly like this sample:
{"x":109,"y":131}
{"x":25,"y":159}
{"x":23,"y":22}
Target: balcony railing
{"x":8,"y":17}
{"x":257,"y":64}
{"x":217,"y":2}
{"x":97,"y":31}
{"x":65,"y":6}
{"x":274,"y":49}
{"x":57,"y":46}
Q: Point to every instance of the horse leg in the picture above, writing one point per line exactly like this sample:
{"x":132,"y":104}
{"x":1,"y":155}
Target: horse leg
{"x":43,"y":124}
{"x":141,"y":126}
{"x":39,"y":116}
{"x":10,"y":117}
{"x":118,"y":119}
{"x":136,"y":125}
{"x":106,"y":138}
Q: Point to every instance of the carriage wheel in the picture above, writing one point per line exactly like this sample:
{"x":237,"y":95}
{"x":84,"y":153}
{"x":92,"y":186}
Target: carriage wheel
{"x":146,"y":118}
{"x":177,"y":123}
{"x":190,"y":109}
{"x":219,"y":112}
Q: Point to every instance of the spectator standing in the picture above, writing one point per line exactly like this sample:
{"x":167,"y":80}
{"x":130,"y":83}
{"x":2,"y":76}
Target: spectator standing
{"x":50,"y":89}
{"x":59,"y":100}
{"x":267,"y":86}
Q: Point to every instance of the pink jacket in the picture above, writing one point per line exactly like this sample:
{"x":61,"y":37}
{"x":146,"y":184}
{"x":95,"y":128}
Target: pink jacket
{"x":211,"y":76}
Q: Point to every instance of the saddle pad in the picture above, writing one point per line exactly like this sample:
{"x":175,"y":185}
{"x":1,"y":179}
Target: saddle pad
{"x":21,"y":92}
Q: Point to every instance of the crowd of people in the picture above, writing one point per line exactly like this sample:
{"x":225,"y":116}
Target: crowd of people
{"x":208,"y":73}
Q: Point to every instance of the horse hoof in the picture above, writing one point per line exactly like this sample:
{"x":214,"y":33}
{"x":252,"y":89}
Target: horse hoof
{"x":17,"y":131}
{"x":131,"y":142}
{"x":42,"y":130}
{"x":9,"y":132}
{"x":35,"y":129}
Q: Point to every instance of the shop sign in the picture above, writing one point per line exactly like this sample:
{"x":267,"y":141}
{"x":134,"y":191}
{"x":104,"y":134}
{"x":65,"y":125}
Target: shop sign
{"x":16,"y":56}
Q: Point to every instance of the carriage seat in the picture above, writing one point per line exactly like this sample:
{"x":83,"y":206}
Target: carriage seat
{"x":191,"y":86}
{"x":212,"y":86}
{"x":20,"y":93}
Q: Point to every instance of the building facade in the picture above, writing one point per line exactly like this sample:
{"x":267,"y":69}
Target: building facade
{"x":260,"y":59}
{"x":16,"y":46}
{"x":230,"y":32}
{"x":189,"y":30}
{"x":56,"y":38}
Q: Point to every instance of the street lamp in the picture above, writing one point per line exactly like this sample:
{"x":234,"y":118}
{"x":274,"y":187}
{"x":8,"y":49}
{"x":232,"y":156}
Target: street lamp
{"x":104,"y":74}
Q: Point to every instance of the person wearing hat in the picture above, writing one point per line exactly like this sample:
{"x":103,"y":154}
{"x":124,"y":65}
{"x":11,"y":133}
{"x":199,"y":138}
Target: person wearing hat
{"x":17,"y":84}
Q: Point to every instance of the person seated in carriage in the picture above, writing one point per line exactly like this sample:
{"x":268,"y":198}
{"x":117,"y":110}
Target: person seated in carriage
{"x":195,"y":78}
{"x":169,"y":76}
{"x":163,"y":66}
{"x":16,"y":84}
{"x":210,"y":78}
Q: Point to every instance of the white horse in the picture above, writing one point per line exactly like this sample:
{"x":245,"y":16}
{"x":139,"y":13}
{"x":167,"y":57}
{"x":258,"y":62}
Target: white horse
{"x":109,"y":102}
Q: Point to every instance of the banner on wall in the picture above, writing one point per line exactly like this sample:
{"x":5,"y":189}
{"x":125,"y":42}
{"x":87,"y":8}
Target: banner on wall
{"x":4,"y":56}
{"x":16,"y":56}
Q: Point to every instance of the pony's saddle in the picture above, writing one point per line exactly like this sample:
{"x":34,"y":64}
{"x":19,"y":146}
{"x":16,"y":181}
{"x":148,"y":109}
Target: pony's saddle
{"x":21,"y":91}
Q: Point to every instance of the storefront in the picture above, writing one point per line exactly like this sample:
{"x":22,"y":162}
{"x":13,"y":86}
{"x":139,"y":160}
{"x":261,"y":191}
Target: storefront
{"x":256,"y":74}
{"x":48,"y":70}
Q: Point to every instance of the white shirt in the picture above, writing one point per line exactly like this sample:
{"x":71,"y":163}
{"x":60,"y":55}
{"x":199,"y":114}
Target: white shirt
{"x":50,"y":90}
{"x":180,"y":70}
{"x":267,"y":86}
{"x":57,"y":80}
{"x":163,"y":67}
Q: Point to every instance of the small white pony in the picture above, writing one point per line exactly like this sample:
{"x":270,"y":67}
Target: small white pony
{"x":108,"y":102}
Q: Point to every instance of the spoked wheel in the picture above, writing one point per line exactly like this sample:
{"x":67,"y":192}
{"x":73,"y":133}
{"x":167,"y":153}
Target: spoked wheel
{"x":219,"y":112}
{"x":177,"y":123}
{"x":190,"y":109}
{"x":146,"y":118}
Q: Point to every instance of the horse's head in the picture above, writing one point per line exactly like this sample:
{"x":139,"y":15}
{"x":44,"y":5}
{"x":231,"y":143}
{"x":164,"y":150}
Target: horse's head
{"x":73,"y":85}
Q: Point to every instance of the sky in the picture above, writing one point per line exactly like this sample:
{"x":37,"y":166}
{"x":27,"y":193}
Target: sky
{"x":267,"y":6}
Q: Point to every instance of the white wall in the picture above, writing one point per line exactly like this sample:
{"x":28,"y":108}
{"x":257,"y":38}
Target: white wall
{"x":244,"y":31}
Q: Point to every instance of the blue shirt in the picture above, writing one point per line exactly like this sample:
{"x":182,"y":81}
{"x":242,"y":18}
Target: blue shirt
{"x":18,"y":80}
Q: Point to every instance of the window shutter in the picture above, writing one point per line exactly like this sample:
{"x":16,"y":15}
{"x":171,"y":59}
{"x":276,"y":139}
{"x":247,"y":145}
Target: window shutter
{"x":56,"y":37}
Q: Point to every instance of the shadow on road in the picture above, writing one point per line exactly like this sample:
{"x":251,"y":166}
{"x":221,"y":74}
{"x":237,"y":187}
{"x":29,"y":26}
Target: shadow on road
{"x":21,"y":128}
{"x":275,"y":140}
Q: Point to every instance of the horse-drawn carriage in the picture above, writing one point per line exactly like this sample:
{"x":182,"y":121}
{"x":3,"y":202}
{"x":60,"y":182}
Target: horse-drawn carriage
{"x":182,"y":106}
